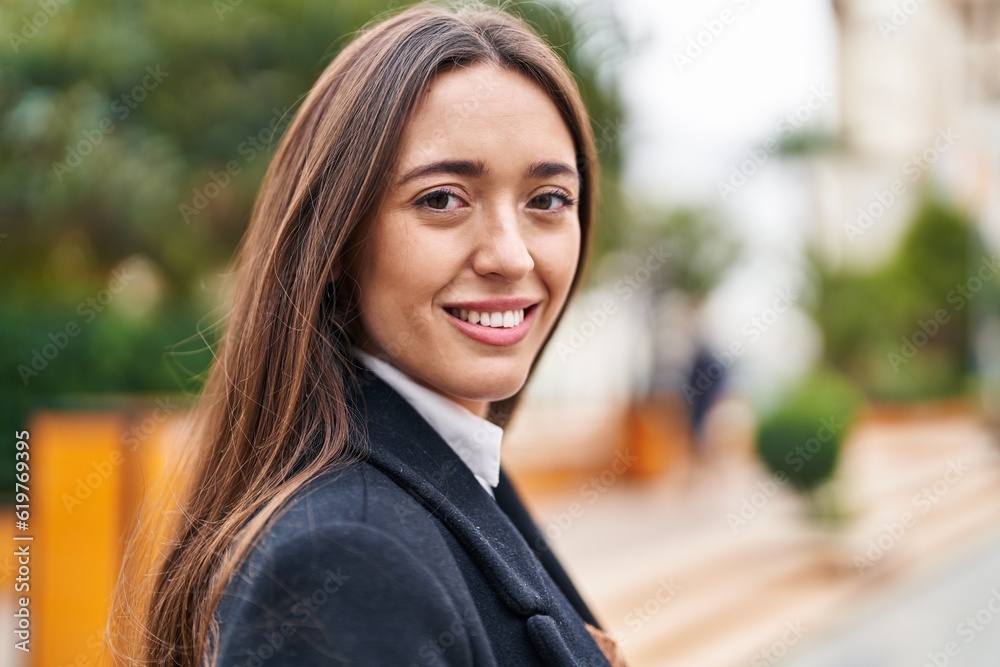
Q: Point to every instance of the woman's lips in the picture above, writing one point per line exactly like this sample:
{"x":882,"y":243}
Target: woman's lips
{"x":497,"y":336}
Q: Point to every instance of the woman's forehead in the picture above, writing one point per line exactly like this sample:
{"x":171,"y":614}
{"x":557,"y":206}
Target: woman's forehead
{"x":485,"y":114}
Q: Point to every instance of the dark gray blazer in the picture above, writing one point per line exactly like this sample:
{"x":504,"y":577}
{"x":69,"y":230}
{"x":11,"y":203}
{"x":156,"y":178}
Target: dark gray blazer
{"x":403,"y":559}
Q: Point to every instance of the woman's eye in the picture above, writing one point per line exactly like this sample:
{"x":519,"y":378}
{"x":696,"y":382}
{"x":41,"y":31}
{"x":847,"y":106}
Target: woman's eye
{"x":439,"y":200}
{"x":551,"y":201}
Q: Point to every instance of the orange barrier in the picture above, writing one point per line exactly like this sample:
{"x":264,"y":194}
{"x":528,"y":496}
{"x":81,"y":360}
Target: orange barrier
{"x":89,"y":473}
{"x":657,"y":436}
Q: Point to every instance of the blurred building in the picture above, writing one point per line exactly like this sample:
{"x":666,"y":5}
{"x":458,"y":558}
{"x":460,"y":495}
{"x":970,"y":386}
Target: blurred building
{"x":919,"y":91}
{"x":920,"y":99}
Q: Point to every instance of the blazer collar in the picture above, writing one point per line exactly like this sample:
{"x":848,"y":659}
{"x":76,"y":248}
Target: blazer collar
{"x":477,"y":441}
{"x":407,"y":449}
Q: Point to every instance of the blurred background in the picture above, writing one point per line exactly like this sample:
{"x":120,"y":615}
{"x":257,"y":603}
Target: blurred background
{"x":766,"y":431}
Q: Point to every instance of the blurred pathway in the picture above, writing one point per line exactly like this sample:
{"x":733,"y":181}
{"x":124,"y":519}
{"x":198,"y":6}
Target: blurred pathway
{"x":726,"y":570}
{"x":949,"y":617}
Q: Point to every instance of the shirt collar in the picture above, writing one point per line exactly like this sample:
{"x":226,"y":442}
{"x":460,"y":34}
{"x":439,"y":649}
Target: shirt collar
{"x":475,"y":440}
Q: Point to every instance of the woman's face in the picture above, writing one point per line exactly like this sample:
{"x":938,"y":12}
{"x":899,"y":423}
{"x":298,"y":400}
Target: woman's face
{"x":472,"y":253}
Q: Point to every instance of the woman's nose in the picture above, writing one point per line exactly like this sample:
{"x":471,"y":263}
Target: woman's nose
{"x":502,"y":248}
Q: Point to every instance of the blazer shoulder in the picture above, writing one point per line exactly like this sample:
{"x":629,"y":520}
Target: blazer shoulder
{"x":357,"y":494}
{"x":332,"y":595}
{"x":351,"y":560}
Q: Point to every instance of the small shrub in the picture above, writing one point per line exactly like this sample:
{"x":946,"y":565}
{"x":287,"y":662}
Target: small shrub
{"x":802,"y":438}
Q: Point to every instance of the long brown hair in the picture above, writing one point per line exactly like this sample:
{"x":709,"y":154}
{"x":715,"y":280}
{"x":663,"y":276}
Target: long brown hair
{"x":274,"y":413}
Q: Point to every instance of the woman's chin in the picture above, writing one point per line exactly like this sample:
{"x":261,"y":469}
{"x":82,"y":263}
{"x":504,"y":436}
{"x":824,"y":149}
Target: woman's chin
{"x":491,"y":385}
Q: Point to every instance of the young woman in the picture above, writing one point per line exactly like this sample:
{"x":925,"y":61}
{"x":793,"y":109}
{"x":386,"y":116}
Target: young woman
{"x":420,"y":230}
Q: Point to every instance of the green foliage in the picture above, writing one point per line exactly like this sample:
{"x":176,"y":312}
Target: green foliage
{"x":902,"y":330}
{"x":119,"y":121}
{"x":701,"y":248}
{"x":802,"y":438}
{"x":121,"y":118}
{"x":805,"y":143}
{"x":58,"y":358}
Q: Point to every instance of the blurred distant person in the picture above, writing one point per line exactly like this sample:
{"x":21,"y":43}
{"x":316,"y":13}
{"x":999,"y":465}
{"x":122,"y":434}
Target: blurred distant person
{"x":705,"y":383}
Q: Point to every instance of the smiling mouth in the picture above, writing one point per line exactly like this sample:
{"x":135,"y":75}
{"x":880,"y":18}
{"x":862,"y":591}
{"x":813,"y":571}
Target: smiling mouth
{"x":506,"y":319}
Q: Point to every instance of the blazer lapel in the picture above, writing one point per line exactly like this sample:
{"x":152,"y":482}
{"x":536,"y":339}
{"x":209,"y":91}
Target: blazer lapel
{"x":409,"y":451}
{"x":510,"y":502}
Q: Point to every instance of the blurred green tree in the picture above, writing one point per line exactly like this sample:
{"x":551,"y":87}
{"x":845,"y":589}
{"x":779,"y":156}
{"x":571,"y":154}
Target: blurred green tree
{"x":702,"y":248}
{"x":902,"y":329}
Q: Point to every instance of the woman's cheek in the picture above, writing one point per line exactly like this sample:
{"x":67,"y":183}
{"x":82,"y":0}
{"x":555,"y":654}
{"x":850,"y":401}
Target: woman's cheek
{"x":560,"y":255}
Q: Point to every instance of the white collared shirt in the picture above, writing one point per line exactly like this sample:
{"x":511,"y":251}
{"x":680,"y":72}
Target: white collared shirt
{"x":475,"y":440}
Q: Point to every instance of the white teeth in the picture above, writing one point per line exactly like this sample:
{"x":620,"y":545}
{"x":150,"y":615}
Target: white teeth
{"x":505,"y":319}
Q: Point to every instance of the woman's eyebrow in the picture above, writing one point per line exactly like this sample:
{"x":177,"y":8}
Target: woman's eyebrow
{"x":550,"y":169}
{"x":477,"y":169}
{"x":466,"y":168}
